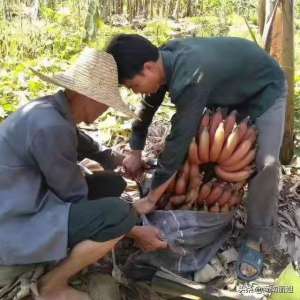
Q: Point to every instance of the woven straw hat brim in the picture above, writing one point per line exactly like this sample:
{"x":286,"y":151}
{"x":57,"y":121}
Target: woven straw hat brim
{"x":111,"y":97}
{"x":94,"y":75}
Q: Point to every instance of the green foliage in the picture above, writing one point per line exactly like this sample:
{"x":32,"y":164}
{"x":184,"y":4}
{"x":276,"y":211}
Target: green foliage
{"x":297,"y":7}
{"x":48,"y":44}
{"x":53,"y":41}
{"x":288,"y":279}
{"x":114,"y":128}
{"x":211,"y":26}
{"x":159,"y":32}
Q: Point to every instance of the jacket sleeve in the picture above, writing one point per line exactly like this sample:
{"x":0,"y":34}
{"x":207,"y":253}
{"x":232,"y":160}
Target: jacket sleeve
{"x":53,"y":148}
{"x":89,"y":148}
{"x":145,"y":113}
{"x":86,"y":145}
{"x":184,"y":126}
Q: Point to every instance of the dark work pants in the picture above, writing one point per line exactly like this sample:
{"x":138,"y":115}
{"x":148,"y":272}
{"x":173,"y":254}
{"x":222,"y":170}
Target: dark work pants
{"x":263,"y":192}
{"x":105,"y":184}
{"x":106,"y":216}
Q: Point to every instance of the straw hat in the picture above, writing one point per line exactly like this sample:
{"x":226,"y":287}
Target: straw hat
{"x":94,"y":75}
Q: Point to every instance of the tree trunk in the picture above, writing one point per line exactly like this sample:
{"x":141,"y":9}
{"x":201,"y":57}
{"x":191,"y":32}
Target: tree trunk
{"x":120,"y":7}
{"x":146,"y":9}
{"x":195,"y":8}
{"x":189,"y":8}
{"x":35,"y":10}
{"x":171,"y":8}
{"x":90,"y":21}
{"x":157,"y":9}
{"x":141,"y":8}
{"x":163,"y":9}
{"x":283,"y":51}
{"x":113,"y":6}
{"x":151,"y":8}
{"x":7,"y":11}
{"x":278,"y":36}
{"x":176,"y":10}
{"x":135,"y":8}
{"x":130,"y":9}
{"x":51,"y":4}
{"x":261,"y":15}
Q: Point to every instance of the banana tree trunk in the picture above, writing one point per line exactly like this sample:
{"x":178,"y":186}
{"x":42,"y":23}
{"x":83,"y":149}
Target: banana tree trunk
{"x":278,"y":37}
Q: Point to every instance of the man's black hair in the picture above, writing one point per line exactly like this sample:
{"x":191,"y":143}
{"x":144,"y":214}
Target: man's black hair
{"x":130,"y":52}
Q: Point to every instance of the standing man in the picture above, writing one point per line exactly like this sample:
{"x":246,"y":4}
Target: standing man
{"x":45,"y":201}
{"x":212,"y":72}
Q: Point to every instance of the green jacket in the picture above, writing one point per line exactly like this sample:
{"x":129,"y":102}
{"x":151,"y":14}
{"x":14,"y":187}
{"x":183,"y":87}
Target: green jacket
{"x":207,"y":72}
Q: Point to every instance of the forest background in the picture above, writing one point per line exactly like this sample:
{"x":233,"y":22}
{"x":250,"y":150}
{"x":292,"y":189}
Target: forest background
{"x":48,"y":35}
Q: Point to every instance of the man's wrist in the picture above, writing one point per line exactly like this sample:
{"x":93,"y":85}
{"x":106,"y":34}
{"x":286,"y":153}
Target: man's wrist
{"x":151,"y":199}
{"x":136,"y":153}
{"x":134,"y":233}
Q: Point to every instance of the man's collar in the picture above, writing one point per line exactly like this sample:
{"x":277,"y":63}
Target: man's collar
{"x":168,"y":63}
{"x":62,"y":105}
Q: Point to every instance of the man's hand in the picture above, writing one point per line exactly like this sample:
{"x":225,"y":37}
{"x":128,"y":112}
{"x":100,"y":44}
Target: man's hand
{"x":133,"y":164}
{"x":148,"y":238}
{"x":144,"y":205}
{"x":147,"y":204}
